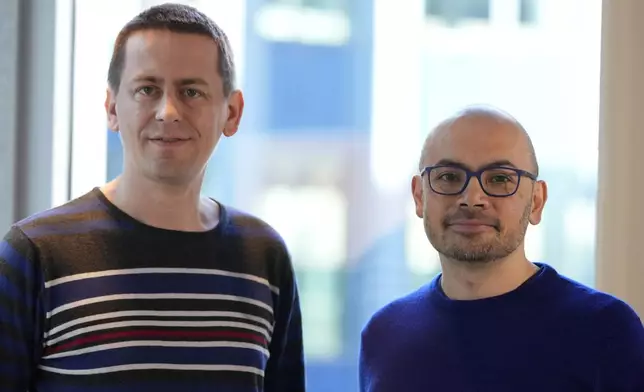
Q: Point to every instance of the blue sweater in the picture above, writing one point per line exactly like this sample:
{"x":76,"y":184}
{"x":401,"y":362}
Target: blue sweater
{"x":92,"y":300}
{"x":551,"y":334}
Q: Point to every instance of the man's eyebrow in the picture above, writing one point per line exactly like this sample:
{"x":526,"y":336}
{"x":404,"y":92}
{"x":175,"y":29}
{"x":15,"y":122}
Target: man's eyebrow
{"x":181,"y":82}
{"x":187,"y":81}
{"x":497,"y":163}
{"x":501,"y":162}
{"x":451,"y":162}
{"x":147,"y":78}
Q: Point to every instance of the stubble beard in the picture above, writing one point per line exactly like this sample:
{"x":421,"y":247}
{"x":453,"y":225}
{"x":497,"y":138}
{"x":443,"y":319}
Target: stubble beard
{"x":481,"y":248}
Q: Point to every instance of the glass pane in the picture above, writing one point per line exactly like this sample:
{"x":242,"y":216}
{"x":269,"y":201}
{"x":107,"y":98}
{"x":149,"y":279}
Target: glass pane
{"x":339,"y":97}
{"x":454,"y":10}
{"x":313,"y":222}
{"x":528,"y":11}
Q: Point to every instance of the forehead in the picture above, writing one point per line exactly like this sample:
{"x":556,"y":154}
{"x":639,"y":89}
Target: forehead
{"x":170,"y":54}
{"x":477,"y":141}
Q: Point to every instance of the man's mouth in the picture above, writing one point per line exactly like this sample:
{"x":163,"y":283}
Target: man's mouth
{"x":169,"y":140}
{"x":471,"y":226}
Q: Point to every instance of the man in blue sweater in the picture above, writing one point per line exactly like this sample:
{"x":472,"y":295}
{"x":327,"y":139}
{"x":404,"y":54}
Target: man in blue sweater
{"x":492,"y":320}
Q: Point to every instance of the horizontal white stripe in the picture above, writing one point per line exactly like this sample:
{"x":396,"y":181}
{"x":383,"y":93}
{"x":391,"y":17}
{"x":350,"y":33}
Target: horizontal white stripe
{"x":154,"y":366}
{"x":156,"y":343}
{"x":158,"y":323}
{"x":157,"y":313}
{"x":133,"y":271}
{"x":116,"y":297}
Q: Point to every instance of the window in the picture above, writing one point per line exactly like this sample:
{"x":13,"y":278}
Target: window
{"x":313,"y":222}
{"x":315,"y":4}
{"x":458,"y":12}
{"x":422,"y":260}
{"x":454,"y":11}
{"x":337,"y":106}
{"x":310,"y":22}
{"x":528,"y":11}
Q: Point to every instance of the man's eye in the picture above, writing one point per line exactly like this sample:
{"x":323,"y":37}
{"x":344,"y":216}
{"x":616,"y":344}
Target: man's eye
{"x":193,"y":93}
{"x":500,"y":179}
{"x":146,"y":90}
{"x":449,"y":177}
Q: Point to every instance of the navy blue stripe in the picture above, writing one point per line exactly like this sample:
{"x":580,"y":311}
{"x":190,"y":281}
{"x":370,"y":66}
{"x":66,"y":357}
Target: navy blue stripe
{"x":158,"y":283}
{"x":81,"y":227}
{"x":173,"y":355}
{"x":15,"y":348}
{"x":10,"y":347}
{"x":13,"y":367}
{"x":156,"y":386}
{"x":14,"y":259}
{"x":9,"y":290}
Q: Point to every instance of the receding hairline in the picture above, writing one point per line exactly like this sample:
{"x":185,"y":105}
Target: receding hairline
{"x":480,"y":111}
{"x":141,"y":33}
{"x":174,"y":18}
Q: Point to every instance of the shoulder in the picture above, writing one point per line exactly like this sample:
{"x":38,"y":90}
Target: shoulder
{"x":583,"y":300}
{"x":613,"y":328}
{"x":26,"y":233}
{"x":259,"y":241}
{"x":613,"y":316}
{"x":80,"y":213}
{"x":399,"y":313}
{"x":250,"y":227}
{"x":24,"y":244}
{"x":604,"y":315}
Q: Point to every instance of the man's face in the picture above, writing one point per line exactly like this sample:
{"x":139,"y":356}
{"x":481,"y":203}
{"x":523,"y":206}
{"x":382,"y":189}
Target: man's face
{"x":170,"y":108}
{"x":473,"y":226}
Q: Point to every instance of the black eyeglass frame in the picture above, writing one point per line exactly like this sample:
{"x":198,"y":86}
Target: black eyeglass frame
{"x":477,"y":174}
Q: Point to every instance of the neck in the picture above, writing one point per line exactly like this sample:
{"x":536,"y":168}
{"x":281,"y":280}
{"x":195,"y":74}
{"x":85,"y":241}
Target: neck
{"x":163,"y":206}
{"x":468,"y":281}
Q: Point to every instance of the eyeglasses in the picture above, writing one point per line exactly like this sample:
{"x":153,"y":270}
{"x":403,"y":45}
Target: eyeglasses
{"x":497,"y":181}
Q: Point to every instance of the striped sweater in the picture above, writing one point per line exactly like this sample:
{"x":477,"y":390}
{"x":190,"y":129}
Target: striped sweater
{"x":92,"y":300}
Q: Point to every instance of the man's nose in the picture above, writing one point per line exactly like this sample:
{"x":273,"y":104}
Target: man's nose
{"x":168,"y":110}
{"x":473,"y":195}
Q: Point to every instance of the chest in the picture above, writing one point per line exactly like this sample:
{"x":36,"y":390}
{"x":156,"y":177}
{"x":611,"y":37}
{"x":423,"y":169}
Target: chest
{"x":453,"y":356}
{"x":158,"y":324}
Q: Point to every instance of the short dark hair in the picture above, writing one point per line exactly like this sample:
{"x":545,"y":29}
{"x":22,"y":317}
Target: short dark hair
{"x":176,"y":18}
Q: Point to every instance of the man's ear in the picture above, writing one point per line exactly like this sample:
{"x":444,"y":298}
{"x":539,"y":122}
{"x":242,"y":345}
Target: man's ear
{"x":110,"y":110}
{"x":539,"y":198}
{"x":417,"y":194}
{"x":235,"y":111}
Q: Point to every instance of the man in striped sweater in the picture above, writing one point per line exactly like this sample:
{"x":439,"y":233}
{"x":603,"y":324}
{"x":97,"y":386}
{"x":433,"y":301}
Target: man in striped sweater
{"x":143,"y":284}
